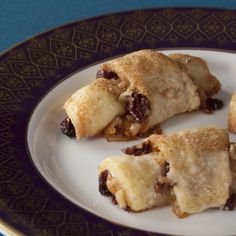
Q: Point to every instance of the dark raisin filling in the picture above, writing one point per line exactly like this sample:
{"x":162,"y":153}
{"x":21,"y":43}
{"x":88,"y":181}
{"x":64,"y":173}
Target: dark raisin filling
{"x":138,"y":106}
{"x":230,"y":203}
{"x":138,"y":150}
{"x":102,"y":184}
{"x":106,"y":74}
{"x":162,"y":187}
{"x":165,"y":169}
{"x":212,"y":104}
{"x":67,"y":128}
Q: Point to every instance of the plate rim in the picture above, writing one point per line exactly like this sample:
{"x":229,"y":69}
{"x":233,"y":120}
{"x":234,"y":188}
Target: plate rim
{"x":68,"y":77}
{"x":21,"y":42}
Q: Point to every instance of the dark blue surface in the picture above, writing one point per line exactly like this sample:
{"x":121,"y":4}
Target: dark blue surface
{"x":22,"y":19}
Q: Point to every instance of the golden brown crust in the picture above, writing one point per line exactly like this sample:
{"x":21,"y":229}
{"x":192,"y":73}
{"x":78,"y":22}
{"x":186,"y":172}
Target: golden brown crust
{"x":141,"y":69}
{"x":199,"y":165}
{"x":154,"y":75}
{"x":232,"y":114}
{"x":198,"y":71}
{"x":163,"y":83}
{"x":92,"y":107}
{"x":199,"y":140}
{"x":189,"y":169}
{"x":176,"y":208}
{"x":131,"y":180}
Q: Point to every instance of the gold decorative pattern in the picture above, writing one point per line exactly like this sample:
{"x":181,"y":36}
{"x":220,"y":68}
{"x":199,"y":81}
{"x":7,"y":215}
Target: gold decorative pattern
{"x":158,"y":27}
{"x":28,"y":71}
{"x":11,"y":81}
{"x":7,"y":135}
{"x":6,"y":96}
{"x":6,"y":174}
{"x":25,"y":68}
{"x":112,"y":20}
{"x":184,"y":25}
{"x":28,"y":204}
{"x":89,"y":26}
{"x":85,"y":41}
{"x":211,"y":26}
{"x":169,"y":14}
{"x":5,"y":67}
{"x":230,"y":30}
{"x":43,"y":58}
{"x":133,"y":30}
{"x":226,"y":16}
{"x":197,"y":14}
{"x":19,"y":55}
{"x":63,"y":49}
{"x":40,"y":43}
{"x":65,"y":34}
{"x":108,"y":35}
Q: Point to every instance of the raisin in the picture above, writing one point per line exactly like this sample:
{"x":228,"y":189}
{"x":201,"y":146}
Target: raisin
{"x":67,"y":128}
{"x":230,"y":203}
{"x":106,"y":74}
{"x":212,"y":104}
{"x":145,"y":148}
{"x":165,"y":169}
{"x":102,"y":183}
{"x":138,"y":106}
{"x":163,"y":185}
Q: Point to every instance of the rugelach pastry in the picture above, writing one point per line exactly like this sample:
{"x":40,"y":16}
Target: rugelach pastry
{"x":189,"y":169}
{"x":133,"y":94}
{"x":130,"y":180}
{"x":199,"y":169}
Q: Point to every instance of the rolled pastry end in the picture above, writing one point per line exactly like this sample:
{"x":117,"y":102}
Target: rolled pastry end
{"x":132,"y":180}
{"x":91,"y":108}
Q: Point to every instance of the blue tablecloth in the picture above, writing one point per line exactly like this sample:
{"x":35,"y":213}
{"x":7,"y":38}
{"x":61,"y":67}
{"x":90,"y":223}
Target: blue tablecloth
{"x":22,"y":19}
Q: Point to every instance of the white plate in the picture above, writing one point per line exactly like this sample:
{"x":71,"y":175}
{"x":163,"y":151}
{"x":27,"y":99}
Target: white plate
{"x":70,"y":166}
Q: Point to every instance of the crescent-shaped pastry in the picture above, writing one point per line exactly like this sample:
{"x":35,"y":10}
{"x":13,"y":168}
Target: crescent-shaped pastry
{"x":94,"y":106}
{"x":189,"y":169}
{"x":135,"y":93}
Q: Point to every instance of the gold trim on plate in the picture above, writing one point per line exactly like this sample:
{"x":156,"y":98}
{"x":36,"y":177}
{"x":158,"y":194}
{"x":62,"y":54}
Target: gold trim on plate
{"x":9,"y":230}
